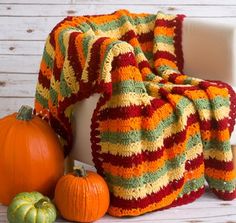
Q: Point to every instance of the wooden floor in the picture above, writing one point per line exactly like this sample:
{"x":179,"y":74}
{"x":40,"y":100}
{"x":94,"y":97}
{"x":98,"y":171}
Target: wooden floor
{"x":207,"y":209}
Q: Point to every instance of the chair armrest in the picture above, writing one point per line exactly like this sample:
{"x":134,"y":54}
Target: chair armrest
{"x":82,"y":115}
{"x":209,"y":50}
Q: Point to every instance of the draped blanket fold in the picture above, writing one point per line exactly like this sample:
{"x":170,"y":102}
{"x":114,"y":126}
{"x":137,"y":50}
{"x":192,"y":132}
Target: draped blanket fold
{"x":156,"y":133}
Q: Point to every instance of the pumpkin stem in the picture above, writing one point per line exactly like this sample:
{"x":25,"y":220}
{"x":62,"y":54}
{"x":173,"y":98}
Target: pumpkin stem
{"x":25,"y":113}
{"x":42,"y":202}
{"x":80,"y":171}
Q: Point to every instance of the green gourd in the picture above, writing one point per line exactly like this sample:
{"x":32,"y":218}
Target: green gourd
{"x":31,"y":208}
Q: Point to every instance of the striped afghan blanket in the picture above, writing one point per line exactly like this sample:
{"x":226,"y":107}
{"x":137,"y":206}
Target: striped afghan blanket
{"x":156,"y":133}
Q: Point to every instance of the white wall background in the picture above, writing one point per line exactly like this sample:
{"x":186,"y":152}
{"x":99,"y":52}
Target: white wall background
{"x":25,"y":24}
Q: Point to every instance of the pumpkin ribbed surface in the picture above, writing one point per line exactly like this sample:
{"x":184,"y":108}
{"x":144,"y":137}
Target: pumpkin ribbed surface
{"x":31,"y":208}
{"x":31,"y":157}
{"x":82,"y":198}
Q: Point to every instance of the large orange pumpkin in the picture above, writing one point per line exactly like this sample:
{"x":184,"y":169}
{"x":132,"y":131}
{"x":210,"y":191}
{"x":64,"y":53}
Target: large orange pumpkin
{"x":31,"y":158}
{"x":82,"y":196}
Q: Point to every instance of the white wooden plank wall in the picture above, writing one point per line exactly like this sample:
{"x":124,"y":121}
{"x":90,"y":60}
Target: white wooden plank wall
{"x":24,"y":26}
{"x":26,"y":23}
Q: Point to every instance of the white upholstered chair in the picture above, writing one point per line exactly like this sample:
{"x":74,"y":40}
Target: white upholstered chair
{"x":209,"y":52}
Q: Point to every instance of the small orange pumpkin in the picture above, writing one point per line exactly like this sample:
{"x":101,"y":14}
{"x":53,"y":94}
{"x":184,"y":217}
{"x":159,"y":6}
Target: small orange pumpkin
{"x":82,"y":196}
{"x":31,"y":157}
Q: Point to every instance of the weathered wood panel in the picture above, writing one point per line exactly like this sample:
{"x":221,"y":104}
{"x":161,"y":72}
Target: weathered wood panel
{"x":9,"y":105}
{"x":26,"y":28}
{"x":124,"y":2}
{"x":19,"y":63}
{"x":38,"y":28}
{"x":15,"y":85}
{"x":80,"y":9}
{"x":21,"y":47}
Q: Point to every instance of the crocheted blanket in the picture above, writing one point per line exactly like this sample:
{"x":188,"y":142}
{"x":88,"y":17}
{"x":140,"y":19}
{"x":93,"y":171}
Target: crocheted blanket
{"x":156,"y":133}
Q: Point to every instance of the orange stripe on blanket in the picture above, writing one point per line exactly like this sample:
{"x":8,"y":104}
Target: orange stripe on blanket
{"x":80,"y":52}
{"x":137,"y":123}
{"x":44,"y":112}
{"x":134,"y":42}
{"x":221,"y":174}
{"x":126,"y":73}
{"x":160,"y":62}
{"x":164,"y":31}
{"x":135,"y":171}
{"x":103,"y":19}
{"x":104,"y":45}
{"x":194,"y":174}
{"x":216,"y":91}
{"x":146,"y":46}
{"x":180,"y":79}
{"x":196,"y":94}
{"x":45,"y":70}
{"x":145,"y":71}
{"x":222,"y":135}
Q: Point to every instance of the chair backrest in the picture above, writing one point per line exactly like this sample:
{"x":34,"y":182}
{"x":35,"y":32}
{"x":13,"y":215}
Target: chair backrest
{"x":209,"y":53}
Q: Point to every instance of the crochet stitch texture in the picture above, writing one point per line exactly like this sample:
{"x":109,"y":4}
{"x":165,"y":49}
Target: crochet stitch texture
{"x":156,"y":133}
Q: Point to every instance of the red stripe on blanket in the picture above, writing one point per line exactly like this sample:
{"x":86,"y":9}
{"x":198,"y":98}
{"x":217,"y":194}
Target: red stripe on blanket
{"x":219,"y":165}
{"x":224,"y":195}
{"x":149,"y":199}
{"x":136,"y":159}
